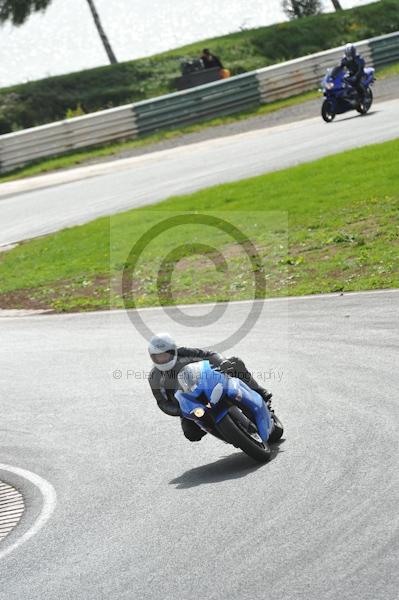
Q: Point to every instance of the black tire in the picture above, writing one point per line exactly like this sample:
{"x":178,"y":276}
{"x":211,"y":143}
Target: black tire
{"x":233,"y":427}
{"x":277,"y":432}
{"x":327,"y":112}
{"x":365,"y":105}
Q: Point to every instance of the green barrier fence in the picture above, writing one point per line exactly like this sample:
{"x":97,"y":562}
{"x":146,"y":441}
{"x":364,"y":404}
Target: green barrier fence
{"x":205,"y":102}
{"x":385,"y":50}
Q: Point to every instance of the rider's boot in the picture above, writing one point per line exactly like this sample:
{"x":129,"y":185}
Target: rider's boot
{"x":361,"y":92}
{"x":267,"y":397}
{"x":278,"y":429}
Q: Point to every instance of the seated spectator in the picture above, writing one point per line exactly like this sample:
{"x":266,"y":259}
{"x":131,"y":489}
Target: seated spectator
{"x":210,"y":60}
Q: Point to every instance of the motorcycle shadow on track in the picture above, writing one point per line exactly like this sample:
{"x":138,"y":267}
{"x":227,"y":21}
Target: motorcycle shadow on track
{"x":234,"y":466}
{"x":344,"y":119}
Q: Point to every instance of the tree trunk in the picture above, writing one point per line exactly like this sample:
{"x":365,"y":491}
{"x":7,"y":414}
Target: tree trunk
{"x":296,"y":9}
{"x":337,"y":4}
{"x":101,"y":33}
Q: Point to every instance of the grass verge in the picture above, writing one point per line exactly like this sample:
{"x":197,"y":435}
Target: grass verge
{"x":325,"y":226}
{"x":389,"y":71}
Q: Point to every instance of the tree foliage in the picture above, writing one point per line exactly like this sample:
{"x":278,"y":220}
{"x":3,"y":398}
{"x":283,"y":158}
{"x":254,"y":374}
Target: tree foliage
{"x":18,"y":11}
{"x":296,"y":9}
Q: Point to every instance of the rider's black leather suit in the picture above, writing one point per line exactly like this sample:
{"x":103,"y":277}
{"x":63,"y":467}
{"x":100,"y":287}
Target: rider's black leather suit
{"x":355,"y":67}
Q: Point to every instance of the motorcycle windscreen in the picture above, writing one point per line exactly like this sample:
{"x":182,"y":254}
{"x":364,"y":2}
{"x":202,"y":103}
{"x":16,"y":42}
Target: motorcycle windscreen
{"x":189,"y":378}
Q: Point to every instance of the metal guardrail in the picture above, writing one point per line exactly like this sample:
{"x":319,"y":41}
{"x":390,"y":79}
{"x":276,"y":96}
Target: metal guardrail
{"x":181,"y":108}
{"x":17,"y":149}
{"x":206,"y":101}
{"x":385,"y":50}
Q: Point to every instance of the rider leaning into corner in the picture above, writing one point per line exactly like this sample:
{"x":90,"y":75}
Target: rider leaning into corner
{"x":168,"y":360}
{"x":354,"y":63}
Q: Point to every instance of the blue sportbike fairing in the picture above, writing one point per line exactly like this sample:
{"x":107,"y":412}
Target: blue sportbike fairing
{"x":338,"y":90}
{"x":204,"y":389}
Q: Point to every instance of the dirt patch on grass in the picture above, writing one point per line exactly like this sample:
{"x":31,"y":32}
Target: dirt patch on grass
{"x":55,"y":295}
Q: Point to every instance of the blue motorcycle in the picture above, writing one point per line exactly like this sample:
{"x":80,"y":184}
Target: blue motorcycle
{"x":227,"y":408}
{"x":341,"y":96}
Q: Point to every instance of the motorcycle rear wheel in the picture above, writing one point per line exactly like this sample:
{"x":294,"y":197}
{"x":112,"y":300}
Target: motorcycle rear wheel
{"x":234,"y":428}
{"x":327,"y":112}
{"x":365,"y":105}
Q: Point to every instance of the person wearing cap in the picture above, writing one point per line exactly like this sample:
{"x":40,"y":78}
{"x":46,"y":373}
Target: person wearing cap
{"x":210,"y":60}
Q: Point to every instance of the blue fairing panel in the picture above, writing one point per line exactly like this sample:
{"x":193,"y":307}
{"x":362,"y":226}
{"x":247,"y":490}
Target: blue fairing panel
{"x":187,"y":403}
{"x":206,"y":380}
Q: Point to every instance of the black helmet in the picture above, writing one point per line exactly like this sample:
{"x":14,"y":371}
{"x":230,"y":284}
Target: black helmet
{"x":350,"y":51}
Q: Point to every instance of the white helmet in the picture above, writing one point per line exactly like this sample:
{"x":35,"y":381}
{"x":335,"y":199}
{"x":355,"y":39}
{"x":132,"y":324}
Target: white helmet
{"x":163,"y":351}
{"x":350,"y":51}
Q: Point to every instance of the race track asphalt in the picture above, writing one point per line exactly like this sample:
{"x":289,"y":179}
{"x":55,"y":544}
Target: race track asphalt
{"x":144,"y":514}
{"x":80,"y":195}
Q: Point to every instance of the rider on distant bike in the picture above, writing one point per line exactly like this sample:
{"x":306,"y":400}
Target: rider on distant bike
{"x":168,"y":360}
{"x":354,"y":63}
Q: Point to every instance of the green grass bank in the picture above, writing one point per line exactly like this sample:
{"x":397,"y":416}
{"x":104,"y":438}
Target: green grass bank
{"x":327,"y":226}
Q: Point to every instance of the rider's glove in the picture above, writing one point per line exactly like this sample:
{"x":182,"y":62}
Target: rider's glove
{"x":226,"y":366}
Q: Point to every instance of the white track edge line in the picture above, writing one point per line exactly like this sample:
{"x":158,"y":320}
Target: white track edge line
{"x":46,"y":314}
{"x":49,"y":503}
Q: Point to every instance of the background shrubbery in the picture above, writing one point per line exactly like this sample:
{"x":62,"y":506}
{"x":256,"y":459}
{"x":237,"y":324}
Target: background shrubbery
{"x":50,"y":99}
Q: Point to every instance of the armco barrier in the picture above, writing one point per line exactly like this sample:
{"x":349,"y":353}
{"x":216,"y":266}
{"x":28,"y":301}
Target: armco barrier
{"x":385,"y":50}
{"x":24,"y":146}
{"x":181,"y":108}
{"x":206,"y":101}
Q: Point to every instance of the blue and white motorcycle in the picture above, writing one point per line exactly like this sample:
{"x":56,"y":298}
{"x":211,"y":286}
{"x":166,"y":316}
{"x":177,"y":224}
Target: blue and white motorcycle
{"x":341,"y":96}
{"x":227,"y":408}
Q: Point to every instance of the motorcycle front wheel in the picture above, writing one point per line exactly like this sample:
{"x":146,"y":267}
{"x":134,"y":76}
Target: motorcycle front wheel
{"x":327,"y":111}
{"x":238,"y":430}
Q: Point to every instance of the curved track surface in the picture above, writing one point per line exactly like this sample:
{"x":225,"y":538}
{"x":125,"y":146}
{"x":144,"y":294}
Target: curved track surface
{"x":80,"y":195}
{"x":143,"y":513}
